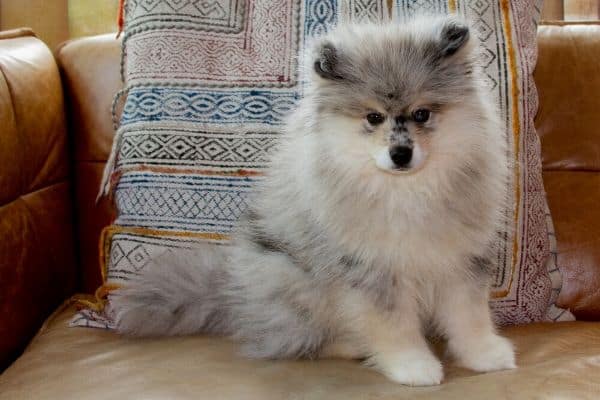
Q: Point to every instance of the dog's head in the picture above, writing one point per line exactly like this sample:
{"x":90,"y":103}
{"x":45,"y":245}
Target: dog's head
{"x":394,"y":95}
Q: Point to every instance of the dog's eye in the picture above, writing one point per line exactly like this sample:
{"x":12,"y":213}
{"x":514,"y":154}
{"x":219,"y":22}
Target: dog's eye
{"x":375,"y":118}
{"x":421,"y":115}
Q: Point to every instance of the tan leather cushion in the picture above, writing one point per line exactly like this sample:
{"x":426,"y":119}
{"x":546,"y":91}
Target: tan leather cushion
{"x":37,"y":265}
{"x":90,"y":72}
{"x":558,"y":361}
{"x":568,"y":122}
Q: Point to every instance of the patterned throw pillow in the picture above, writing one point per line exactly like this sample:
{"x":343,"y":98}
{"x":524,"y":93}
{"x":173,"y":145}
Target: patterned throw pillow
{"x":208,"y":86}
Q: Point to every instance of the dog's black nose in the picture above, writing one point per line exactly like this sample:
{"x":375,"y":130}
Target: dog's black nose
{"x":401,"y":155}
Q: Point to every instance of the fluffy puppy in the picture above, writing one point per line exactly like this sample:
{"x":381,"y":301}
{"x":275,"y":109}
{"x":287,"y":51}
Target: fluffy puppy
{"x":376,"y":220}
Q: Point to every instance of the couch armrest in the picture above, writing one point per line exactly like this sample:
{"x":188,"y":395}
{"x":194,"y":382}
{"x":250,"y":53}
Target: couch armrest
{"x":37,"y":263}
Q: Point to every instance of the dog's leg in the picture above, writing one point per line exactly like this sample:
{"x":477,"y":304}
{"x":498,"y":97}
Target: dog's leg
{"x":394,"y":341}
{"x":463,"y":314}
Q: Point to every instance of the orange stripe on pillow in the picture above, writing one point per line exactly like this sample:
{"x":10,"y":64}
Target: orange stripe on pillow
{"x":516,"y":127}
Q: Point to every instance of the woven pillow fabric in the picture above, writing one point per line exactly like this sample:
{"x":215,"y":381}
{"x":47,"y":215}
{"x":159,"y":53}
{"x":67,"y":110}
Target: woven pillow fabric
{"x":208,"y":86}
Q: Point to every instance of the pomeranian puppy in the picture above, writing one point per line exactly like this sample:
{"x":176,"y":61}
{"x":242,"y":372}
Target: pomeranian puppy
{"x":375,"y":223}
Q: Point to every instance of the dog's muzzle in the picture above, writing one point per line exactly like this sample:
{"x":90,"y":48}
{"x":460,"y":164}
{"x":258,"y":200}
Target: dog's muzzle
{"x":398,"y":158}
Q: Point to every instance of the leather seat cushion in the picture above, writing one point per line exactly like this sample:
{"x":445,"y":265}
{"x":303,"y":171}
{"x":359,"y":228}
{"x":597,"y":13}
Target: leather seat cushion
{"x":559,"y":360}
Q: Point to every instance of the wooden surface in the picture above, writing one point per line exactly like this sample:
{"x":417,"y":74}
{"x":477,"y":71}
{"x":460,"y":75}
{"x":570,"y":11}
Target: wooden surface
{"x":55,"y":21}
{"x":582,"y":10}
{"x":92,"y":17}
{"x":47,"y":18}
{"x":553,"y":10}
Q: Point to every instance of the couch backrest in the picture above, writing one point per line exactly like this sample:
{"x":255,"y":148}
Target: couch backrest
{"x":37,"y":263}
{"x":568,"y":122}
{"x":91,"y":78}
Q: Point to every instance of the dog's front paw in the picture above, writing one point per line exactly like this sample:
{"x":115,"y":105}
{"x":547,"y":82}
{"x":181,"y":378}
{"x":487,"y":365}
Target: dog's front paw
{"x":413,"y":368}
{"x":490,"y":353}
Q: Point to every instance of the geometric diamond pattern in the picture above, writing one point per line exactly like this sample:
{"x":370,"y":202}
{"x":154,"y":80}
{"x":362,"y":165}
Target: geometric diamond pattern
{"x":216,"y":15}
{"x":186,"y":202}
{"x":362,"y":11}
{"x":479,"y":6}
{"x":487,"y":57}
{"x":138,"y":257}
{"x":140,"y":249}
{"x":183,"y":148}
{"x":484,"y":31}
{"x":410,"y":8}
{"x":116,"y":254}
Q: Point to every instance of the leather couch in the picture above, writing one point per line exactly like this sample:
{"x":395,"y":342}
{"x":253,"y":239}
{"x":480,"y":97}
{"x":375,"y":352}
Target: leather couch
{"x":55,"y":134}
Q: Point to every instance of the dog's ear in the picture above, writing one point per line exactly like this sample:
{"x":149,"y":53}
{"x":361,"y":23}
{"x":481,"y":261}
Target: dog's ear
{"x":327,"y":62}
{"x":454,"y":35}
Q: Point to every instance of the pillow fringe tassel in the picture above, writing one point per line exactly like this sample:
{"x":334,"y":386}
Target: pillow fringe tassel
{"x":100,"y":297}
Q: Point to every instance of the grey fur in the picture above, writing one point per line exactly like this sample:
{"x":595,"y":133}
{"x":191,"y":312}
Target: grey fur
{"x":327,"y":64}
{"x":334,"y":255}
{"x":454,"y":36}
